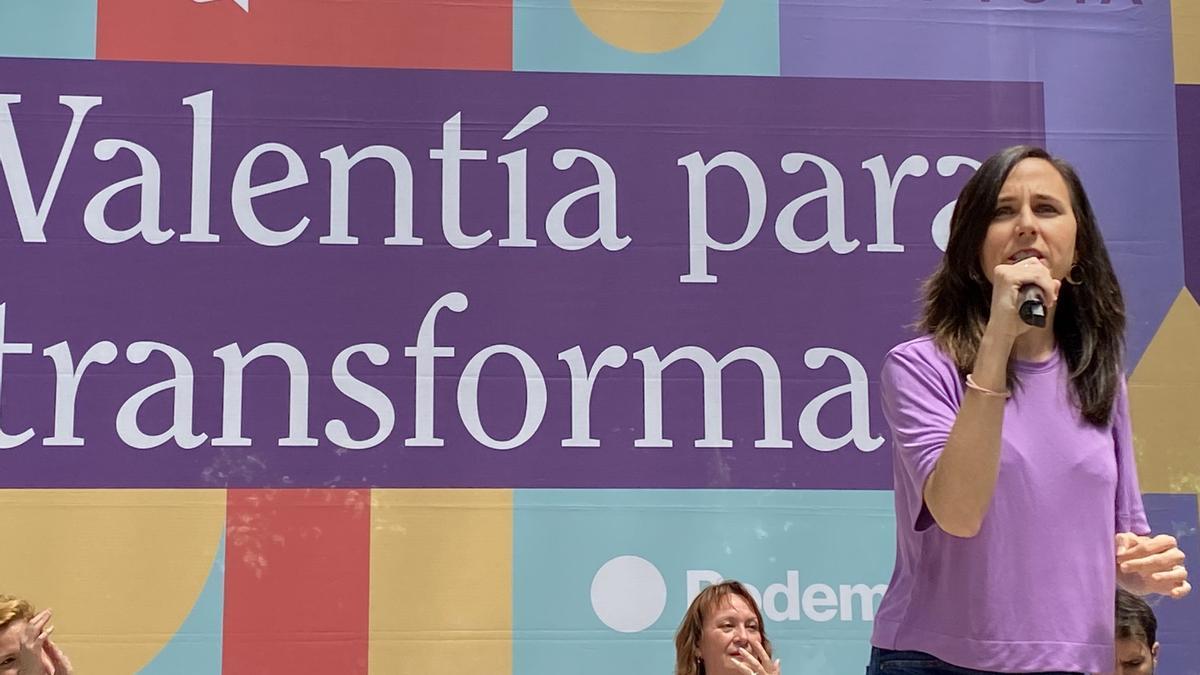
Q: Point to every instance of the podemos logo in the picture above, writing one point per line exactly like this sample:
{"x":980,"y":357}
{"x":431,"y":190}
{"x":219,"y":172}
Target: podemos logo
{"x":629,"y":595}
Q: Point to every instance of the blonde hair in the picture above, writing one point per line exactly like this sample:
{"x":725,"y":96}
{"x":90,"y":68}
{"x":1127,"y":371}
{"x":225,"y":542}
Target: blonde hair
{"x":687,"y":638}
{"x":14,"y":609}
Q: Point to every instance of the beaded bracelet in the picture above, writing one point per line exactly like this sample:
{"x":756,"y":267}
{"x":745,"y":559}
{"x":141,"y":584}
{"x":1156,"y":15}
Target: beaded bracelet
{"x":984,"y":390}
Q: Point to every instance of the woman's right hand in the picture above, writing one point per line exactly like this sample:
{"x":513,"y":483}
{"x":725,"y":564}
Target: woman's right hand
{"x":757,"y":661}
{"x":1007,"y":280}
{"x":32,"y":647}
{"x":37,"y":654}
{"x":62,"y":665}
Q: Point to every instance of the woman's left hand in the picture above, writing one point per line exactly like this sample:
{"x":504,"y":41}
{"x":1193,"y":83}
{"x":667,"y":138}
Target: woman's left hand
{"x":757,"y":662}
{"x":1151,"y":565}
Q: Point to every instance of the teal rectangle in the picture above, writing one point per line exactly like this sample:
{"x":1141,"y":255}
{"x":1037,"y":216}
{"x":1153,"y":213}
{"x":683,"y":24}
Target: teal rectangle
{"x":785,"y":543}
{"x":743,"y":39}
{"x":63,"y":29}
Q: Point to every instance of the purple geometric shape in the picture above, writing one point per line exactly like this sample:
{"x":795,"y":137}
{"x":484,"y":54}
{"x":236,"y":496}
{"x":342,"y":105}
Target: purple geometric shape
{"x":1178,"y":620}
{"x":1108,"y":76}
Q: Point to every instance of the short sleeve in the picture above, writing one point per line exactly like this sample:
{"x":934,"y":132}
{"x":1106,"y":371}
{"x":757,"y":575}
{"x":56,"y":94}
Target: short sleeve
{"x":920,"y":397}
{"x":1131,"y":514}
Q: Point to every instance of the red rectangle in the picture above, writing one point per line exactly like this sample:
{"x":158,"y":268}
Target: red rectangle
{"x":380,"y":33}
{"x":297,"y":581}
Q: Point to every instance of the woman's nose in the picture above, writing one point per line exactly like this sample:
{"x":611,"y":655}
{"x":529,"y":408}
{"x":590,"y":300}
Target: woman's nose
{"x":1026,"y":222}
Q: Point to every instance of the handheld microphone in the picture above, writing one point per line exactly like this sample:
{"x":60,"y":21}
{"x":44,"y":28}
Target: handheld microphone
{"x":1031,"y":302}
{"x":1032,"y":308}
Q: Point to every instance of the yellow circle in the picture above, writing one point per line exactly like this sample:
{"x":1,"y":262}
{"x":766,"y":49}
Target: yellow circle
{"x":647,"y":26}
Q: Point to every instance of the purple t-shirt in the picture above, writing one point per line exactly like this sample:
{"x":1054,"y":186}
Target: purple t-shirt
{"x":1033,"y":591}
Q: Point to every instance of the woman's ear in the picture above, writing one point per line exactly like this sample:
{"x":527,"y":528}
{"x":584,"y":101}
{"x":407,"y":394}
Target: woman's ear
{"x":1154,"y":653}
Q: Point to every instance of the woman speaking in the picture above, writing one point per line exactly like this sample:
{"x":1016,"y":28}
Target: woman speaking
{"x":1017,"y":505}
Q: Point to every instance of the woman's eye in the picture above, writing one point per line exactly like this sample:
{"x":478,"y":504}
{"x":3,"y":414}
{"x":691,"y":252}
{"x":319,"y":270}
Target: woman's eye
{"x":1002,"y":211}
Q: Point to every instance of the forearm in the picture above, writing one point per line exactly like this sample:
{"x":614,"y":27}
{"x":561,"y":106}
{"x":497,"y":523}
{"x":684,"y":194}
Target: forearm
{"x":960,"y":489}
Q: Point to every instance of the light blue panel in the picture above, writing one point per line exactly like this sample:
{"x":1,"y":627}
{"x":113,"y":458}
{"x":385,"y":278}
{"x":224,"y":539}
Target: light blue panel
{"x":742,"y":40}
{"x":48,"y":28}
{"x":665,"y":543}
{"x":196,"y":648}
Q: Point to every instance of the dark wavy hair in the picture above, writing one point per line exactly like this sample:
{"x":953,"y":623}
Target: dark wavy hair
{"x":1089,"y":322}
{"x":1135,"y":619}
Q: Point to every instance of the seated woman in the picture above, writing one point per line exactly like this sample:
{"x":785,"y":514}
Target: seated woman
{"x":722,"y":634}
{"x":25,"y":645}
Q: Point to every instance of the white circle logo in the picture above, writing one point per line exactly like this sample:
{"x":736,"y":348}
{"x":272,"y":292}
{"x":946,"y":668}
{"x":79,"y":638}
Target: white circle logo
{"x":628,"y":594}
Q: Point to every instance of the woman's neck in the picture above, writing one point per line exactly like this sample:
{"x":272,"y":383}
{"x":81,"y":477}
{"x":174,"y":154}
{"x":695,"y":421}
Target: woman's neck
{"x":1035,"y":345}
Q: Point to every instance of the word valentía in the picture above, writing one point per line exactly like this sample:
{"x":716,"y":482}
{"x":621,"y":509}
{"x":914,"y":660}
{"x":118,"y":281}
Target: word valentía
{"x":593,"y":206}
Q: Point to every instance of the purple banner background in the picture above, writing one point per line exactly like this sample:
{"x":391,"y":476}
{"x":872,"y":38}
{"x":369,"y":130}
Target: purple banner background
{"x":1175,"y":514}
{"x":198,"y":297}
{"x":1106,"y":69}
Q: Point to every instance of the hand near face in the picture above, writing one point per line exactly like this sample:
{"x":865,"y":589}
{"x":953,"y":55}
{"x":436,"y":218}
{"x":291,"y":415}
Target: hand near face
{"x":756,"y":661}
{"x":31,"y":653}
{"x":1151,"y":565}
{"x":62,"y":665}
{"x":1007,"y":280}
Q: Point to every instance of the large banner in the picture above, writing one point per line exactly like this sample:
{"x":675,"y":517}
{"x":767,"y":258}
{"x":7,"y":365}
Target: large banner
{"x":600,"y":281}
{"x":419,"y":337}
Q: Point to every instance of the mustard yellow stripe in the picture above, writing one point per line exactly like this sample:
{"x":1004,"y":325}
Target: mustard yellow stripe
{"x":1163,"y":392}
{"x":441,"y":582}
{"x":1185,"y":29}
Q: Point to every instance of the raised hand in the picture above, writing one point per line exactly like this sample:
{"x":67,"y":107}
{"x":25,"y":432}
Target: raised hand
{"x":757,"y":661}
{"x":62,"y":665}
{"x":1007,"y":281}
{"x":32,"y":646}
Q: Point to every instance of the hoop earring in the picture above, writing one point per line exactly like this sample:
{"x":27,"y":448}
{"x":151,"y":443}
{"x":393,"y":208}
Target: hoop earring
{"x":1071,"y":275}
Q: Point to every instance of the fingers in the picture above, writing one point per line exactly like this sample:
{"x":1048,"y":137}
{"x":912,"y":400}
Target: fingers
{"x":37,"y":630}
{"x":1176,"y":580}
{"x":1125,"y":541}
{"x":62,"y":665}
{"x":760,"y":652}
{"x":1131,"y":546}
{"x":1149,"y":548}
{"x":743,"y":668}
{"x":1157,"y":562}
{"x":755,"y":660}
{"x":751,"y":659}
{"x":1029,"y":271}
{"x":1176,"y":573}
{"x":40,"y":619}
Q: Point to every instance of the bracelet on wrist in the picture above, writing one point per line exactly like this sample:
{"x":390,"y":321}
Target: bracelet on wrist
{"x":971,"y":384}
